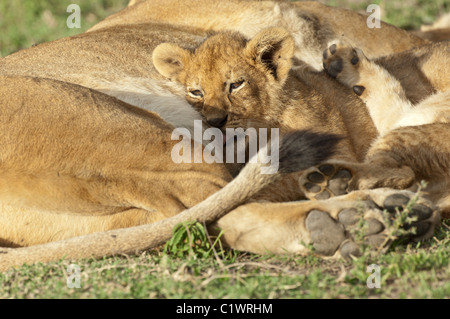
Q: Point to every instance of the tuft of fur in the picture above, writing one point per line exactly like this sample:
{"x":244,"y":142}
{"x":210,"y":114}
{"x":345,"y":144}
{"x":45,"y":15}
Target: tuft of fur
{"x":302,"y":149}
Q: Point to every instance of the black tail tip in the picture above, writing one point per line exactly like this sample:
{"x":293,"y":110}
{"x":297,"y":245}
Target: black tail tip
{"x":300,"y":150}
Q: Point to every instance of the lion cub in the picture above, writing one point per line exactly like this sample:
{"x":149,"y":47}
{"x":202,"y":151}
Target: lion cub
{"x":239,"y":83}
{"x":234,"y":81}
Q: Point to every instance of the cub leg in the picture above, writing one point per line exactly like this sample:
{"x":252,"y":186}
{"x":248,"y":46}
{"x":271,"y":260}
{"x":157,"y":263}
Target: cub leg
{"x":335,"y":177}
{"x":382,"y":93}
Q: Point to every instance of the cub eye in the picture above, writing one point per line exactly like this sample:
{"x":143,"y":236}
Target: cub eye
{"x":195,"y":94}
{"x":236,"y":85}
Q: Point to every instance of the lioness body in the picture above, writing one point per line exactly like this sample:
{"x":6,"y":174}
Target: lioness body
{"x":110,"y":68}
{"x":49,"y":199}
{"x":58,"y":165}
{"x":77,"y":162}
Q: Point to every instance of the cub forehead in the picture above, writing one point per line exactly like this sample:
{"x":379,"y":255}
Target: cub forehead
{"x":223,"y":42}
{"x":214,"y":69}
{"x":217,"y":73}
{"x":220,"y":48}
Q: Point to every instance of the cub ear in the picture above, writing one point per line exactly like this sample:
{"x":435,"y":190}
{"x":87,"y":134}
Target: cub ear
{"x":273,"y":48}
{"x":169,"y":59}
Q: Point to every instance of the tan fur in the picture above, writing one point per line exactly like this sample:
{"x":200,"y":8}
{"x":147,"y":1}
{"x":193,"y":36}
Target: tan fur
{"x":435,"y":35}
{"x":120,"y":66}
{"x":95,"y":170}
{"x":133,"y":2}
{"x":312,"y":24}
{"x":92,"y":164}
{"x":77,"y":162}
{"x":85,"y":188}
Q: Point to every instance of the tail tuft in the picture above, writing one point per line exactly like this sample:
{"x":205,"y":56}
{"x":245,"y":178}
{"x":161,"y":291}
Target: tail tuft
{"x":300,"y":150}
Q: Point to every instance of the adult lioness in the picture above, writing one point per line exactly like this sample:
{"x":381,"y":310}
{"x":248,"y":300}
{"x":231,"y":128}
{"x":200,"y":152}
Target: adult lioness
{"x":75,"y":161}
{"x":312,"y":24}
{"x":118,"y":61}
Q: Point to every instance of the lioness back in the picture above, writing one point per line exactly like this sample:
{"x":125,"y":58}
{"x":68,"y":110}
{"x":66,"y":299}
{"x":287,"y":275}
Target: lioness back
{"x":116,"y":61}
{"x":312,"y":24}
{"x":108,"y":58}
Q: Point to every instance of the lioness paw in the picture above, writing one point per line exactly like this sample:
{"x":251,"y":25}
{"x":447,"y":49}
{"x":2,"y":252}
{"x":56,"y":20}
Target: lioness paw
{"x":340,"y":225}
{"x":345,"y":64}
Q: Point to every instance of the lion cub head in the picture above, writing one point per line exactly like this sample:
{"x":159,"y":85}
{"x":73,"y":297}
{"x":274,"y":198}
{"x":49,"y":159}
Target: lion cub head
{"x":230,"y":79}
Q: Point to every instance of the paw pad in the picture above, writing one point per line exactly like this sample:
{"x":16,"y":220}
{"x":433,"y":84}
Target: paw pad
{"x":327,"y":170}
{"x":331,"y":232}
{"x":358,"y":89}
{"x":342,"y":60}
{"x":326,"y":181}
{"x":326,"y":234}
{"x":334,"y":68}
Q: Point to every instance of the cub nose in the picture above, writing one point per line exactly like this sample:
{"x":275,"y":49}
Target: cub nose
{"x":217,"y":121}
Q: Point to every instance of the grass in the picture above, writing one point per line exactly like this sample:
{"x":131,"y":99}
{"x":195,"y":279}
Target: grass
{"x":195,"y":270}
{"x":419,"y":270}
{"x":27,"y":22}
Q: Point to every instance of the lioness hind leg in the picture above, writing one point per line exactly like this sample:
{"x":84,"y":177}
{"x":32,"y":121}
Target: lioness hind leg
{"x":327,"y":225}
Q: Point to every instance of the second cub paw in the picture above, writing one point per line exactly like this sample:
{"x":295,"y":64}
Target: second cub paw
{"x":344,"y":63}
{"x":325,"y":181}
